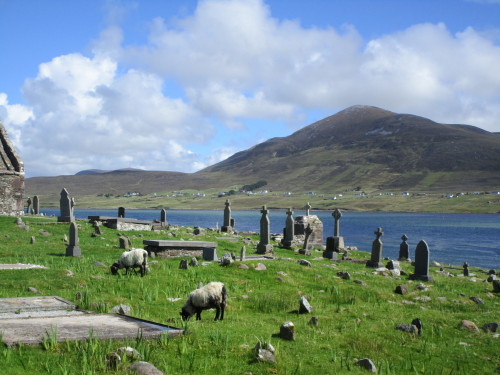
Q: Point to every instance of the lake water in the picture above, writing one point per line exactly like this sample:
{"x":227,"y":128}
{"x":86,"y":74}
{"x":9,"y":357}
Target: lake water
{"x":452,"y":238}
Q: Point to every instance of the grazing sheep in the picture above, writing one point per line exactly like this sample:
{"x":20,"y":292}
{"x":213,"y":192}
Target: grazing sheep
{"x":212,"y":295}
{"x":135,"y":258}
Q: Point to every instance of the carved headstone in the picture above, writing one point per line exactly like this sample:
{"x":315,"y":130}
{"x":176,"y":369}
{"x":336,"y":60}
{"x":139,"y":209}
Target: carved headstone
{"x":264,"y":246}
{"x":66,"y":208}
{"x":421,"y":263}
{"x":36,"y":205}
{"x":73,"y":250}
{"x":376,"y":256}
{"x":121,"y":211}
{"x":289,"y":231}
{"x":300,"y":225}
{"x":226,"y":226}
{"x":243,"y":253}
{"x":28,"y":206}
{"x":97,"y":229}
{"x":306,"y":247}
{"x":404,"y":251}
{"x":466,"y":269}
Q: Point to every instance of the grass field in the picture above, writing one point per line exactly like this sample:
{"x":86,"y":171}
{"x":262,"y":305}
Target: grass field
{"x":354,"y":320}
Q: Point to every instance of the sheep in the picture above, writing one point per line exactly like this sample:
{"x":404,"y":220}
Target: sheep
{"x":212,"y":295}
{"x":132,"y":259}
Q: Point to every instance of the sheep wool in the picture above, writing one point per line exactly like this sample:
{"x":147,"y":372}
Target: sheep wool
{"x":212,"y":295}
{"x":135,"y":258}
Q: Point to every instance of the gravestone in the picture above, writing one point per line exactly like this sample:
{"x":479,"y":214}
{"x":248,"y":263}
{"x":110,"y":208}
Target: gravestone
{"x":466,"y":269}
{"x":300,"y":225}
{"x":306,"y":247}
{"x":121,"y":211}
{"x":289,"y":231}
{"x":333,"y":244}
{"x":376,"y":256}
{"x":36,"y":205}
{"x":404,"y":251}
{"x":226,"y":226}
{"x":163,"y":217}
{"x":210,"y":254}
{"x":308,"y":209}
{"x":97,"y":229}
{"x":73,"y":250}
{"x":28,"y":204}
{"x":125,"y":242}
{"x":66,"y":204}
{"x":264,"y":246}
{"x":421,"y":263}
{"x":243,"y":253}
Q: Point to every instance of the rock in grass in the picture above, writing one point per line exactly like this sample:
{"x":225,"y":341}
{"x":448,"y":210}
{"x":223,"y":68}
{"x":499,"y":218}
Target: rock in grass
{"x":344,"y":275}
{"x":243,"y":266}
{"x":260,"y":267}
{"x":144,"y":368}
{"x":314,"y":321}
{"x":129,"y":352}
{"x":265,"y":352}
{"x":112,"y":360}
{"x":477,"y":300}
{"x":34,"y":290}
{"x":367,"y":364}
{"x":469,"y":326}
{"x":183,"y":264}
{"x":120,"y":309}
{"x":401,"y":289}
{"x":491,"y":327}
{"x":193,"y":262}
{"x":304,"y":262}
{"x":287,"y":331}
{"x":305,"y":307}
{"x":410,"y":328}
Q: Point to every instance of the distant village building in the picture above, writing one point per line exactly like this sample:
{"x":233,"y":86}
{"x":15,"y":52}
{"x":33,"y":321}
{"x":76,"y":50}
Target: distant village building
{"x":11,"y":178}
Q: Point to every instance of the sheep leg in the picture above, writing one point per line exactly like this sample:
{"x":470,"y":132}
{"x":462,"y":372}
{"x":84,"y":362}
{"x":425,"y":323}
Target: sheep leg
{"x":198,"y":314}
{"x":222,"y":312}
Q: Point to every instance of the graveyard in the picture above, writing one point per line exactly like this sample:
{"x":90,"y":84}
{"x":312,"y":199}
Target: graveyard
{"x":323,"y":310}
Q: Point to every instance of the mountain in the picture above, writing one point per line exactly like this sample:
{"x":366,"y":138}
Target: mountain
{"x":372,"y":148}
{"x":100,"y":171}
{"x":361,"y":146}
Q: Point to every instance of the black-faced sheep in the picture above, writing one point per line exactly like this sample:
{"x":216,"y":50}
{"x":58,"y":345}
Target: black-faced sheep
{"x":212,"y":295}
{"x":135,"y":258}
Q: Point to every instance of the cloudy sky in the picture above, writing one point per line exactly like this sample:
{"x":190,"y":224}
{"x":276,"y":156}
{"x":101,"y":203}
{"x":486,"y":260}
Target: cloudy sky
{"x":180,"y":85}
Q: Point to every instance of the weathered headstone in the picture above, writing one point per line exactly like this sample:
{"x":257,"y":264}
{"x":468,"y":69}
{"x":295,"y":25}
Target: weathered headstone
{"x":226,"y":226}
{"x":304,"y":306}
{"x":36,"y":205}
{"x":376,"y":256}
{"x":210,"y":254}
{"x":243,"y":253}
{"x":125,"y":242}
{"x":121,"y":211}
{"x":264,"y":246}
{"x":28,"y":204}
{"x":287,"y":331}
{"x":97,"y":229}
{"x":306,"y":247}
{"x":289,"y":231}
{"x":183,"y":265}
{"x":308,"y":209}
{"x":66,"y":208}
{"x":163,"y":217}
{"x":421,"y":263}
{"x":466,"y":269}
{"x":73,"y":250}
{"x":404,"y":251}
{"x":300,"y":225}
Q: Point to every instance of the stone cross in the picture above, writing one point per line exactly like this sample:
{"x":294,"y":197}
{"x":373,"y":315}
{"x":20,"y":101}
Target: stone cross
{"x":404,"y":251}
{"x":28,"y":203}
{"x":65,"y":204}
{"x":421,"y":263}
{"x":336,"y":228}
{"x":264,"y":245}
{"x":121,"y":211}
{"x":308,"y":208}
{"x":376,"y":255}
{"x":306,"y":245}
{"x":226,"y":225}
{"x":289,"y":229}
{"x":73,"y":250}
{"x":36,"y":205}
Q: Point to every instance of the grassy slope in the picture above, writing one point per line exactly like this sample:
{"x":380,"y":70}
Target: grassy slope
{"x":354,"y":321}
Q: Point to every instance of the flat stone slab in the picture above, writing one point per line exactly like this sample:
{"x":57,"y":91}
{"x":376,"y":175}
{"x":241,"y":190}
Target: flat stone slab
{"x":168,"y":244}
{"x":20,"y":266}
{"x":27,"y":319}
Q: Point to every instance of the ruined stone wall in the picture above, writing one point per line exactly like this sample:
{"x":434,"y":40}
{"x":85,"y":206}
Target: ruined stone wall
{"x":11,"y":178}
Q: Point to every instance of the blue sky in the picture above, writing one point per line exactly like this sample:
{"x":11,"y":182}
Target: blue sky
{"x":180,"y":85}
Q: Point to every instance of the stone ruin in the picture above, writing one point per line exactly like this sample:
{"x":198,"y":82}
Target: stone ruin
{"x":315,"y":239}
{"x":11,"y":178}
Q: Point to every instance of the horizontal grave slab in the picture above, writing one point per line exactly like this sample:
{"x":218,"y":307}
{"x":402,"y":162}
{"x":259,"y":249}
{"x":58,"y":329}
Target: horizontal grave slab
{"x":122,"y":223}
{"x":168,"y":248}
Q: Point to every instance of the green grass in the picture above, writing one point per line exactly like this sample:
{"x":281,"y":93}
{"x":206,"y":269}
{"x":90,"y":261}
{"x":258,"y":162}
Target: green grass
{"x":354,"y":321}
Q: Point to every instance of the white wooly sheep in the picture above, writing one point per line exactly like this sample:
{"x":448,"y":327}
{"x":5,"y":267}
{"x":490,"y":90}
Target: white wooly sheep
{"x":213,"y":295}
{"x":135,"y":258}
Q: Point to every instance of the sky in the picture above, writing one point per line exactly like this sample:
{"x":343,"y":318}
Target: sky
{"x":181,"y":85}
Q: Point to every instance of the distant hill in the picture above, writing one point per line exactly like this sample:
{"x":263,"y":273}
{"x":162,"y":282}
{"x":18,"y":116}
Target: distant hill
{"x":361,"y":146}
{"x":100,"y":171}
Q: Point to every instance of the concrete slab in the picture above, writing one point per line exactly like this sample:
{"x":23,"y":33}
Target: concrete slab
{"x":18,"y":305}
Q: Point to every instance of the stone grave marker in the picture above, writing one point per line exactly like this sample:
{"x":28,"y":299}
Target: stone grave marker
{"x":210,"y":254}
{"x":125,"y":242}
{"x":466,"y":269}
{"x":376,"y":256}
{"x":243,"y":253}
{"x":333,"y":244}
{"x":226,"y":226}
{"x":121,"y":211}
{"x":404,"y":251}
{"x":36,"y":205}
{"x":163,"y":217}
{"x":421,"y":263}
{"x":308,"y":209}
{"x":264,"y":246}
{"x":73,"y":250}
{"x":28,"y":204}
{"x":66,"y":204}
{"x":306,"y":247}
{"x":289,"y":231}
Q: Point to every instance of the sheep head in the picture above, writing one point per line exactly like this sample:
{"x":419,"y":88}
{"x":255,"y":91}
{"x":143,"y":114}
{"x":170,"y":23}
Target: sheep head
{"x":114,"y":268}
